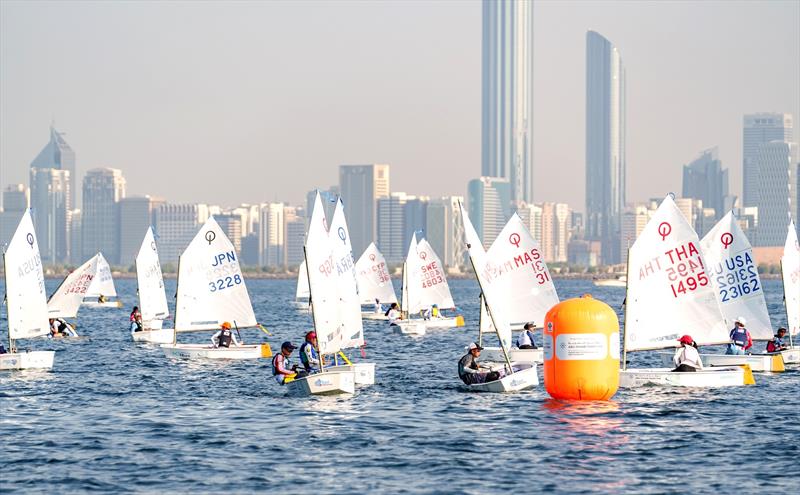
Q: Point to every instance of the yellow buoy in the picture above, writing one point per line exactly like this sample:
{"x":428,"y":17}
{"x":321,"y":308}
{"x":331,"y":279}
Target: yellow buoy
{"x":581,"y":350}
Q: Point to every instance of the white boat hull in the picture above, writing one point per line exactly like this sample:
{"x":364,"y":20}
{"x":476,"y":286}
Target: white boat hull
{"x":610,"y":283}
{"x":96,"y":305}
{"x":302,"y":306}
{"x":327,"y":383}
{"x":791,"y":355}
{"x":371,"y":315}
{"x":205,"y":351}
{"x":525,"y":377}
{"x":717,"y":377}
{"x":529,"y":356}
{"x":40,"y":360}
{"x":412,"y":327}
{"x":154,"y":336}
{"x":364,"y":372}
{"x":446,"y":322}
{"x":757,"y":362}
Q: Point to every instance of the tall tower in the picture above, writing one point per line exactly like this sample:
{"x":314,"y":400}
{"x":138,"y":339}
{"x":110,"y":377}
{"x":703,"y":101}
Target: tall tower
{"x":605,"y":144}
{"x":103,"y":188}
{"x":758,"y":129}
{"x":59,"y":155}
{"x":507,"y":103}
{"x":360,"y":187}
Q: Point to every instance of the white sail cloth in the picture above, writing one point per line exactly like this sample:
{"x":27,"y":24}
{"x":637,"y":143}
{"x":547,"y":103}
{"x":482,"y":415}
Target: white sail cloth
{"x":102,"y":284}
{"x":152,"y":294}
{"x":347,"y":288}
{"x":67,"y":299}
{"x":373,"y":277}
{"x":26,"y":299}
{"x":302,"y":282}
{"x":669,"y":291}
{"x":790,"y":269}
{"x":426,"y":283}
{"x":734,"y":274}
{"x":211,"y":288}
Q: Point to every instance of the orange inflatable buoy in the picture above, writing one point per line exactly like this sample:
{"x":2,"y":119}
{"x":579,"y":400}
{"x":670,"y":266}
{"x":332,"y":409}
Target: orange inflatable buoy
{"x":581,"y":350}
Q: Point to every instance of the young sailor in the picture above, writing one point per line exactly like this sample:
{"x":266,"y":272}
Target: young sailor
{"x":102,"y":299}
{"x":136,"y":320}
{"x":687,"y":357}
{"x":469,"y":369}
{"x":393,"y":314}
{"x":282,"y":368}
{"x":525,"y":339}
{"x":308,"y":353}
{"x":224,"y":337}
{"x":741,"y":341}
{"x":378,"y":306}
{"x":777,"y":344}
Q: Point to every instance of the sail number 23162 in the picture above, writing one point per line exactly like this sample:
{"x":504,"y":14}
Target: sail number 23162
{"x":224,"y":283}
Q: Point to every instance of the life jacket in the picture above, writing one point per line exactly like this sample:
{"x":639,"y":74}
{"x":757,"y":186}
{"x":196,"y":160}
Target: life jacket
{"x":774,"y":345}
{"x":739,"y":336}
{"x":304,"y":356}
{"x":225,"y":338}
{"x":435,"y":312}
{"x":275,"y":364}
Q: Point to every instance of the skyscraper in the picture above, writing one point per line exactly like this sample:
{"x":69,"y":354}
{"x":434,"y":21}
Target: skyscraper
{"x":705,"y":180}
{"x":50,"y":193}
{"x":176,"y":226}
{"x":103,"y":188}
{"x":294,"y":237}
{"x":507,"y":102}
{"x":776,"y":196}
{"x":271,"y":229}
{"x":759,"y":128}
{"x":135,"y":217}
{"x":605,"y":144}
{"x":231,"y":224}
{"x":59,"y":155}
{"x":489,"y":206}
{"x":360,"y":186}
{"x":556,"y":227}
{"x":15,"y":201}
{"x":391,"y":227}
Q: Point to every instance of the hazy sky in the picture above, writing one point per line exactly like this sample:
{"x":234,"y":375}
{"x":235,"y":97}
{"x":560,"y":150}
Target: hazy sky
{"x":260,"y":101}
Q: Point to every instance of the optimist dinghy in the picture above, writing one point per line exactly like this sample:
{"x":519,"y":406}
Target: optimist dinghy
{"x":26,"y":300}
{"x":211,"y":290}
{"x":66,"y":300}
{"x":513,"y":376}
{"x":152,"y":295}
{"x":790,"y":273}
{"x":374,"y":283}
{"x":102,"y":285}
{"x":669,"y":293}
{"x":323,"y":278}
{"x":302,"y":297}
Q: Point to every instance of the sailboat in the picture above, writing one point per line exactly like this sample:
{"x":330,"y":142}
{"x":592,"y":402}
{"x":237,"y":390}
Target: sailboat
{"x":374,"y":282}
{"x":302,"y":298}
{"x":790,"y":273}
{"x":67,"y":298}
{"x":669,"y":294}
{"x":732,"y":269}
{"x":26,"y":300}
{"x":349,"y":299}
{"x":518,"y":270}
{"x":102,"y":285}
{"x":152,"y":294}
{"x":516,"y":376}
{"x":425,"y":285}
{"x":210,"y":291}
{"x":323,"y":281}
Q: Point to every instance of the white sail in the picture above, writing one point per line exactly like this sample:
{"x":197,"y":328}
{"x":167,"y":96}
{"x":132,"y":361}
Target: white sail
{"x":67,"y":299}
{"x":426,"y":279}
{"x":322,"y":280}
{"x":669,"y":291}
{"x":347,"y":288}
{"x":734,"y":273}
{"x":790,"y":269}
{"x":373,"y":277}
{"x":26,"y":299}
{"x":492,"y":287}
{"x":516,"y":263}
{"x":410,"y":267}
{"x":102,"y":284}
{"x":211,"y":288}
{"x":302,"y":282}
{"x":152,"y":294}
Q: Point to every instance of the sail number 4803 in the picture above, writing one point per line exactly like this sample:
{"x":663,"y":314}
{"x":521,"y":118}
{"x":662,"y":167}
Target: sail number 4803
{"x":224,"y":283}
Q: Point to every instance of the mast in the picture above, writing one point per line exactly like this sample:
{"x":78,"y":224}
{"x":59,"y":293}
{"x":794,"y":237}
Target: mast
{"x":177,"y":291}
{"x":625,"y":328}
{"x":480,"y":320}
{"x":313,"y":316}
{"x":8,"y":308}
{"x":404,"y":295}
{"x":786,"y":306}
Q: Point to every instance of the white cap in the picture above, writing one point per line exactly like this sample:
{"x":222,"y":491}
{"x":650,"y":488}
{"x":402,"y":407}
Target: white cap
{"x":475,"y":346}
{"x":741,"y":320}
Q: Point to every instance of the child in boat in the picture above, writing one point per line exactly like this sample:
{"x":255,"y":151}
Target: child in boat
{"x":777,"y":344}
{"x":102,"y":299}
{"x":224,"y":337}
{"x":525,"y":339}
{"x":393,"y":313}
{"x":136,"y":320}
{"x":469,"y":369}
{"x":308,"y":353}
{"x":687,"y":357}
{"x":282,"y":369}
{"x":378,"y":307}
{"x":741,"y":341}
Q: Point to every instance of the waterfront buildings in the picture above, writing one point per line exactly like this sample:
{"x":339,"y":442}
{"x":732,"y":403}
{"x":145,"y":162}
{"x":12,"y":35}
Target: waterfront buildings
{"x":777,"y":193}
{"x":758,"y":129}
{"x":103,"y":188}
{"x":704,"y":179}
{"x":360,"y":187}
{"x":489,"y":206}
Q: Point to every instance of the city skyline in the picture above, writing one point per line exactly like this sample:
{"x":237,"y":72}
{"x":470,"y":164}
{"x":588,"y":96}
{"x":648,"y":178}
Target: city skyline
{"x":422,"y":122}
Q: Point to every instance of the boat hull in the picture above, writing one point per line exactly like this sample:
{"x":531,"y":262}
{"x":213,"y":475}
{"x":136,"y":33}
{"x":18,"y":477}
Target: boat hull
{"x":529,"y":356}
{"x":757,"y":362}
{"x":610,"y":283}
{"x":412,"y":327}
{"x":31,"y":360}
{"x":154,"y":336}
{"x":204,"y":351}
{"x":364,"y":372}
{"x":327,"y":383}
{"x":717,"y":377}
{"x":97,"y":305}
{"x":791,"y":355}
{"x":524,"y":378}
{"x":371,"y":315}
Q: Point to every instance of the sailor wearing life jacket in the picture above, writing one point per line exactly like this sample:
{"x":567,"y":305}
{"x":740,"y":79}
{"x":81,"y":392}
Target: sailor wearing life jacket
{"x":282,"y":369}
{"x":777,"y":344}
{"x":224,"y":336}
{"x":687,"y":357}
{"x":308,"y":353}
{"x":741,"y":341}
{"x":525,"y":339}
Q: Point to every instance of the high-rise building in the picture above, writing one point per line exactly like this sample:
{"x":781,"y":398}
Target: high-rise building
{"x":231,"y":224}
{"x":75,"y":237}
{"x":59,"y":155}
{"x":556,"y":229}
{"x":50,"y":196}
{"x":634,"y":220}
{"x":489,"y":206}
{"x":415,"y":217}
{"x":507,"y":100}
{"x":176,"y":225}
{"x":758,"y":129}
{"x":271,"y":229}
{"x":103,"y":188}
{"x":776,"y":196}
{"x":294,"y":237}
{"x":704,"y":179}
{"x":445,"y":230}
{"x":135,"y":217}
{"x":360,"y":187}
{"x":605,"y":144}
{"x":391,"y":238}
{"x":531,"y":216}
{"x":15,"y":201}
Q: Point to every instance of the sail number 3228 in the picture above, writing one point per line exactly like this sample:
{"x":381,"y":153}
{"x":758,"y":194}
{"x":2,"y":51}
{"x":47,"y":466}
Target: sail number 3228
{"x":224,"y":283}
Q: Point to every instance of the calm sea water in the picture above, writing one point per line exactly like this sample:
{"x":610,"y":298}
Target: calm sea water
{"x":117,"y":417}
